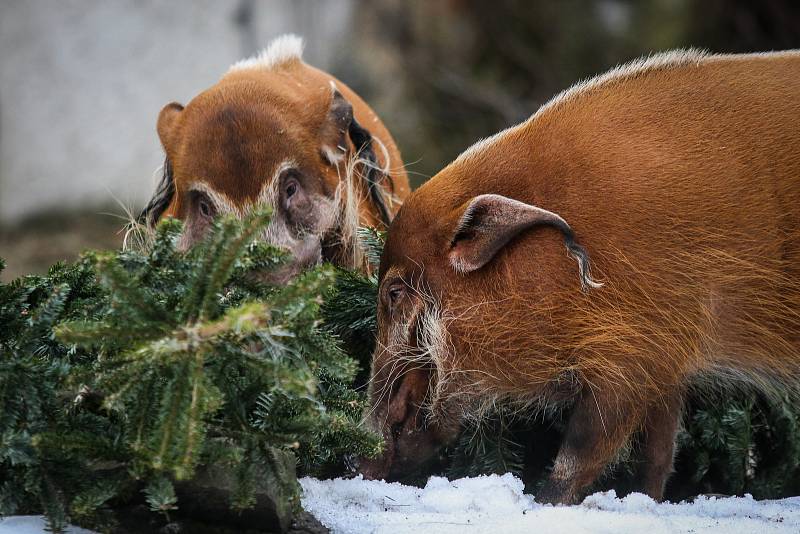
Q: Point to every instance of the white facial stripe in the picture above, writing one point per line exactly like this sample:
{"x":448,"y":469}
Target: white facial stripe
{"x":340,"y":214}
{"x":267,"y":196}
{"x":270,"y":191}
{"x":221,"y":201}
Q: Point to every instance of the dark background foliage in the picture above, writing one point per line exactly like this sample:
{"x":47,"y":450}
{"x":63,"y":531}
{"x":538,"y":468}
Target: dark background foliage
{"x":467,"y":69}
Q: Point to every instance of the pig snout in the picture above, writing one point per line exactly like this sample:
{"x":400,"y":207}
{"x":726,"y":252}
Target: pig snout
{"x":372,"y":468}
{"x":377,"y":467}
{"x":305,"y":255}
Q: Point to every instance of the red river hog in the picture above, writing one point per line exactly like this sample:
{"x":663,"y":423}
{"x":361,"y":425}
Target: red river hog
{"x":676,"y":178}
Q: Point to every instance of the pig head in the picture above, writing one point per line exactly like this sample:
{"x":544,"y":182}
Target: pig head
{"x":277,"y":132}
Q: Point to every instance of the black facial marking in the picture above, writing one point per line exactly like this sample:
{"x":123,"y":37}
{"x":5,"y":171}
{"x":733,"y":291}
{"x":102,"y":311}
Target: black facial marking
{"x":161,"y":199}
{"x":362,"y":140}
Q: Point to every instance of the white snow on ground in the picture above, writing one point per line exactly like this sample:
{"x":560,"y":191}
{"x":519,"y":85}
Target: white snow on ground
{"x":30,"y":524}
{"x":496,"y":504}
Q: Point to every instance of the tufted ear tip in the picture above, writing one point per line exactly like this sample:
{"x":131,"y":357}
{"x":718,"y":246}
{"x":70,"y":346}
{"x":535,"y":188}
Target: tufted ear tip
{"x":488,"y":223}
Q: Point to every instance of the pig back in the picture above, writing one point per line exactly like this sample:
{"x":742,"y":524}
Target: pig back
{"x":684,"y":186}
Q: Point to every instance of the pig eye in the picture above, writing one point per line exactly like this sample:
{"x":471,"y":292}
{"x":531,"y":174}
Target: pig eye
{"x":291,"y":189}
{"x":205,"y":207}
{"x":394,"y":294}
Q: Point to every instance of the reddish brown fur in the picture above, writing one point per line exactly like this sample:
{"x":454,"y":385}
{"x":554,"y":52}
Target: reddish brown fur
{"x":682,"y":181}
{"x":231,"y":139}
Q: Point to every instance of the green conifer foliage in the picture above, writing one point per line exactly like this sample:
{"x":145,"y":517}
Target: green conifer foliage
{"x":742,"y":443}
{"x":129,"y":372}
{"x":349,"y":310}
{"x":129,"y":376}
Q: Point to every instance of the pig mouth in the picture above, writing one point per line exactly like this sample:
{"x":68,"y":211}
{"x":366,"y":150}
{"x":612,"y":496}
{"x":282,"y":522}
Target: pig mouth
{"x":383,"y":467}
{"x":408,"y":462}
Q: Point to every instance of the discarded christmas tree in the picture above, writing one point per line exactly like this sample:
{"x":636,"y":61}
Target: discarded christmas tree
{"x":150,"y":373}
{"x":178,"y":382}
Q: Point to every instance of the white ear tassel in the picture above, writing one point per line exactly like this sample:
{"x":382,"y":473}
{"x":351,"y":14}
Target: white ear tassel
{"x":281,"y":50}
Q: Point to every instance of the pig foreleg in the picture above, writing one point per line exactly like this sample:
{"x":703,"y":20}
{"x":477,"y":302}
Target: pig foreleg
{"x":598,"y":428}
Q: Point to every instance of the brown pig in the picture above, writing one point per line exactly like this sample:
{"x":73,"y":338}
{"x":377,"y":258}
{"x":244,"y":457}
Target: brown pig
{"x":678,"y":176}
{"x":279,"y":132}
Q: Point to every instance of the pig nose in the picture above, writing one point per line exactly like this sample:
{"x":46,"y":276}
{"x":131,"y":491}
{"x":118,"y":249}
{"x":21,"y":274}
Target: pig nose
{"x":309,"y":253}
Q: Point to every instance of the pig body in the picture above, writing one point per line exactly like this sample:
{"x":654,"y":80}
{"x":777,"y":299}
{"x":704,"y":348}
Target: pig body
{"x":677,"y":180}
{"x":275,"y":131}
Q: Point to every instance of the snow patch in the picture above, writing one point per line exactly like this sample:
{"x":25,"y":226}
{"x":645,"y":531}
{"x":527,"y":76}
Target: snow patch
{"x":495,"y":504}
{"x":31,"y":524}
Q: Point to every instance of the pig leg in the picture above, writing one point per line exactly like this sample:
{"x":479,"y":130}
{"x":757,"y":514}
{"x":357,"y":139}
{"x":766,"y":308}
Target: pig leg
{"x":658,"y":446}
{"x":597,"y":429}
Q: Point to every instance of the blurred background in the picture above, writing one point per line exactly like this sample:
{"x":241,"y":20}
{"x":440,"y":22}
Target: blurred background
{"x":82,"y":82}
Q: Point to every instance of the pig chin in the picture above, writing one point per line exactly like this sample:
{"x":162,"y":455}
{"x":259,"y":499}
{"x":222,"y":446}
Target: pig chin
{"x":397,"y":465}
{"x":375,"y":468}
{"x":307,"y":253}
{"x":379,"y":467}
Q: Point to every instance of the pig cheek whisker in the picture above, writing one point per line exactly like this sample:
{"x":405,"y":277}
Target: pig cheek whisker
{"x":346,"y":215}
{"x":365,"y":164}
{"x":349,"y":213}
{"x":401,"y":354}
{"x":384,"y":391}
{"x":431,"y":334}
{"x":392,"y":350}
{"x":385,"y":395}
{"x":340,"y":234}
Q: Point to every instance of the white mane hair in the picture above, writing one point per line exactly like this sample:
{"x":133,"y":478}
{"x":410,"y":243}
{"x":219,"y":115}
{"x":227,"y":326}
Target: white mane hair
{"x":626,"y":71}
{"x":281,"y":50}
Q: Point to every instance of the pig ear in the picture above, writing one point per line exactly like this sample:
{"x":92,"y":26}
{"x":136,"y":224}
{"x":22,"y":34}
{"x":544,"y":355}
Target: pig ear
{"x":491,"y":221}
{"x":166,"y":122}
{"x":488,"y":223}
{"x":335,"y":127}
{"x":165,"y":190}
{"x":341,"y":124}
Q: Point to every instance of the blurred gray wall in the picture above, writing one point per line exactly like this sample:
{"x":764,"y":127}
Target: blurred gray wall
{"x":82,"y":82}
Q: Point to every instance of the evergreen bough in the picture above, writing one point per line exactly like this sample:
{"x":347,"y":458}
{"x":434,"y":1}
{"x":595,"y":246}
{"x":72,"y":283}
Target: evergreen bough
{"x":134,"y":373}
